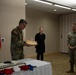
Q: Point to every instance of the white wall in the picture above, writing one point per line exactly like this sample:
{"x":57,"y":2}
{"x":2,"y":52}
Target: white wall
{"x":50,"y":22}
{"x":11,"y":11}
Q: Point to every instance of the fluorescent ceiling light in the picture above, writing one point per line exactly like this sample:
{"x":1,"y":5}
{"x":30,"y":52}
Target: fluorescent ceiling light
{"x":55,"y":4}
{"x":61,"y":6}
{"x":43,"y":2}
{"x":74,"y":9}
{"x":64,"y":2}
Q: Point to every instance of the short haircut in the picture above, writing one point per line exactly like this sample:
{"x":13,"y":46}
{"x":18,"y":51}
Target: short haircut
{"x":22,"y":21}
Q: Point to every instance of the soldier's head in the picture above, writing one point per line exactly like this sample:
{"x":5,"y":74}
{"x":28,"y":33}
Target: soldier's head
{"x":22,"y":24}
{"x":74,"y":27}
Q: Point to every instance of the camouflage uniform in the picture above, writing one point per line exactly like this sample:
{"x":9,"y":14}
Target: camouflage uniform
{"x":17,"y":44}
{"x":72,"y":53}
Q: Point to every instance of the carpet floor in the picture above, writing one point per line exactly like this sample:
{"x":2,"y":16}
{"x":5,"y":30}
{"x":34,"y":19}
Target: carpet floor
{"x":60,"y":63}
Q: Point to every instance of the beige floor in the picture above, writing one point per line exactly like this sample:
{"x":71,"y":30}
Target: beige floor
{"x":60,"y":63}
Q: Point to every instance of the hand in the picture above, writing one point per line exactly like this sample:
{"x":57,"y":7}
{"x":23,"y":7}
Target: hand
{"x":28,"y":45}
{"x":72,"y":47}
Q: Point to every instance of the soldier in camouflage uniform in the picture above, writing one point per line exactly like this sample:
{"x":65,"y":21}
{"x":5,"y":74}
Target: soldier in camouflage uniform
{"x":17,"y":42}
{"x":72,"y":47}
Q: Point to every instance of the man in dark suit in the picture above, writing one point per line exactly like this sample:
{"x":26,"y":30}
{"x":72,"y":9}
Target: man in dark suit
{"x":40,"y":47}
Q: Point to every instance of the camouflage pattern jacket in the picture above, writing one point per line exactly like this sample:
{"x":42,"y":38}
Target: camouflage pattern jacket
{"x":17,"y":43}
{"x":72,"y":39}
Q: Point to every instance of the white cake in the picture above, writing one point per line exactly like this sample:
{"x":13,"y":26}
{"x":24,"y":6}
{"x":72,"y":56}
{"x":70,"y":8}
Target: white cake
{"x":31,"y":42}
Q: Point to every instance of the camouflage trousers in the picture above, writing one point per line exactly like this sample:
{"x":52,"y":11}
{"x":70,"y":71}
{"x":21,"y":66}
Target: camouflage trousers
{"x":72,"y":56}
{"x":17,"y":54}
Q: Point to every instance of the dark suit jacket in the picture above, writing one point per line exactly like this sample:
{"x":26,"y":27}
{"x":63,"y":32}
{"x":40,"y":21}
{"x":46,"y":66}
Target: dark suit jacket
{"x":40,"y":38}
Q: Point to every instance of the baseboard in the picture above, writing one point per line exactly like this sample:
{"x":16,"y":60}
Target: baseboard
{"x":45,"y":54}
{"x":63,"y":53}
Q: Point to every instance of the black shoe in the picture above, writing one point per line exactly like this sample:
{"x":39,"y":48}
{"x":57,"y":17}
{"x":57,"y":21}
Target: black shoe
{"x":70,"y":71}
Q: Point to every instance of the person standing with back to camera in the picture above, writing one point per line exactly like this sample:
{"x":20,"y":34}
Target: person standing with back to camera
{"x":40,"y":47}
{"x":72,"y":48}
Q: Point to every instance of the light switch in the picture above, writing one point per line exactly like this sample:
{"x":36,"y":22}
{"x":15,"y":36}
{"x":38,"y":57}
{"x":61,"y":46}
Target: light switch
{"x":3,"y":39}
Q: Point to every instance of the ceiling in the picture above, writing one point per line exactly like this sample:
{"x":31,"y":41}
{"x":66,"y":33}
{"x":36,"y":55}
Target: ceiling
{"x":51,"y":8}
